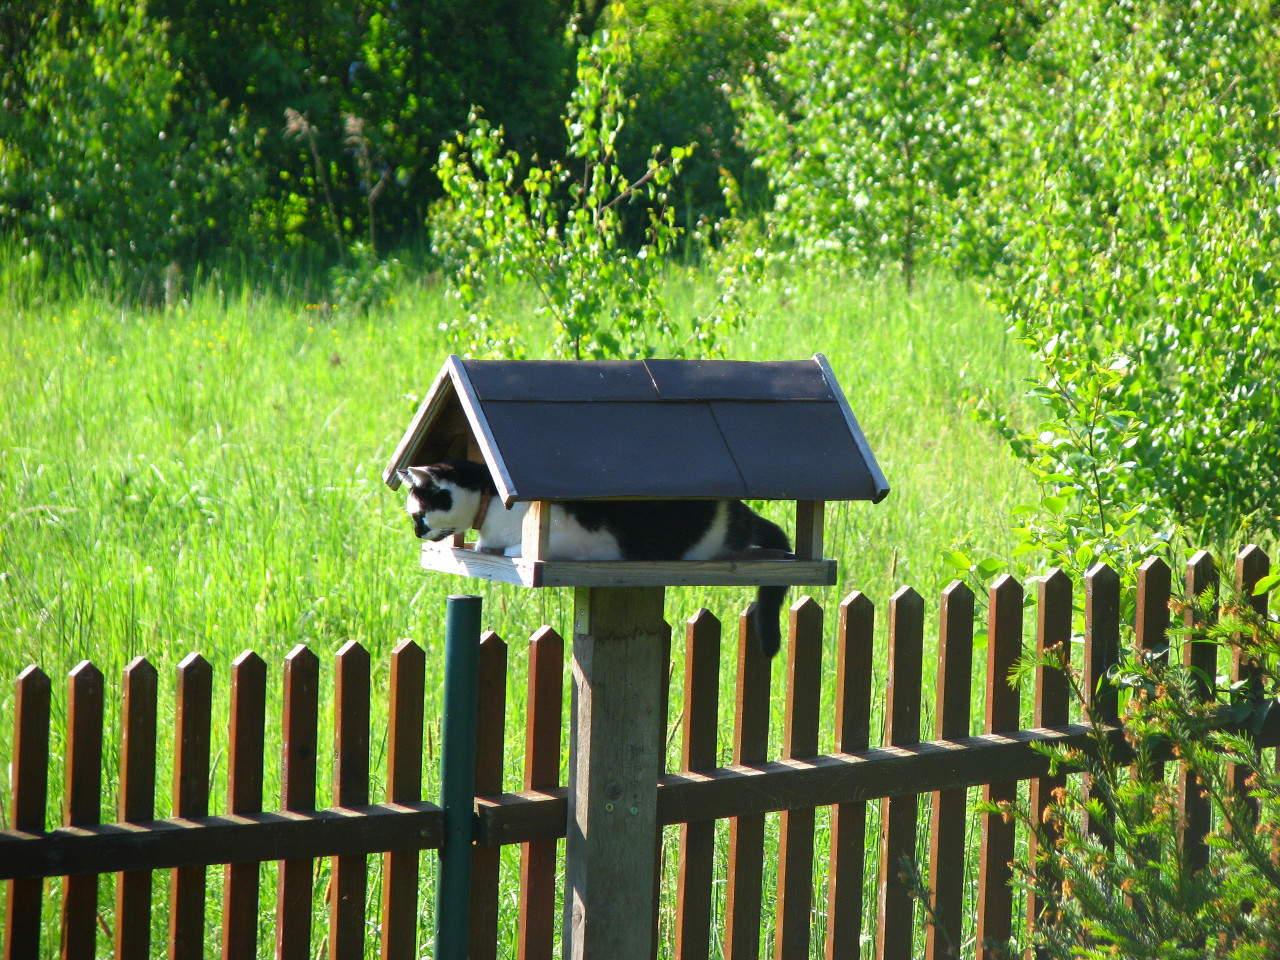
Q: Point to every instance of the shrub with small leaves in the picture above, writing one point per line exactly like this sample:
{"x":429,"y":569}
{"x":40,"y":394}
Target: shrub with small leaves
{"x":557,"y":228}
{"x":1139,"y":233}
{"x":866,"y":124}
{"x":99,"y":164}
{"x":1112,"y":872}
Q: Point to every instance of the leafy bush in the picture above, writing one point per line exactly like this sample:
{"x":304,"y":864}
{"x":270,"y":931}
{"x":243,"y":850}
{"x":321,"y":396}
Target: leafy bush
{"x":100,"y":163}
{"x":407,"y":71}
{"x":873,"y":130}
{"x":560,"y":231}
{"x":687,"y":59}
{"x":1139,"y":233}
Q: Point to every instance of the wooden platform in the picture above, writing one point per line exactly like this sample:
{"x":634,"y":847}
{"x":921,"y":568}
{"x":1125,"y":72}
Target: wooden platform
{"x":774,"y":571}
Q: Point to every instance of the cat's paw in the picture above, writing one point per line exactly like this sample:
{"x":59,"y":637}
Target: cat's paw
{"x":512,"y":551}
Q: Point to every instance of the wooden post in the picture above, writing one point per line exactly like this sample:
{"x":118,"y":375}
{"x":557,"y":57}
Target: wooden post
{"x":809,"y":515}
{"x":615,"y":751}
{"x":536,"y":532}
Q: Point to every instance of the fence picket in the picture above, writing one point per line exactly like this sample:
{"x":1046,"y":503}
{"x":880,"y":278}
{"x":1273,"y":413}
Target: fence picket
{"x":698,"y":752}
{"x":800,"y":741}
{"x":246,"y":731}
{"x":947,"y":825}
{"x":895,"y":923}
{"x":190,"y":799}
{"x":855,"y":647}
{"x":1151,"y":623}
{"x":1252,"y":564}
{"x":83,"y":806}
{"x":690,"y":798}
{"x":28,"y":793}
{"x":541,"y":771}
{"x":746,"y":834}
{"x":348,"y":876}
{"x":404,"y":785}
{"x":1194,"y":807}
{"x":137,"y":802}
{"x":490,"y":723}
{"x":297,"y":792}
{"x":1101,"y":653}
{"x":1004,"y":645}
{"x":1052,"y":704}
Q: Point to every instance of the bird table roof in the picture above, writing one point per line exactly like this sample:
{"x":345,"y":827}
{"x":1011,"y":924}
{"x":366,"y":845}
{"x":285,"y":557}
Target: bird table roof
{"x":639,"y":429}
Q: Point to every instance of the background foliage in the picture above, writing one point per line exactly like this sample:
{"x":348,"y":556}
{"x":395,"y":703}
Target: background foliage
{"x":753,"y":178}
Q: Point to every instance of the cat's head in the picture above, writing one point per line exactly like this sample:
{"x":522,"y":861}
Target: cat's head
{"x":438,"y":506}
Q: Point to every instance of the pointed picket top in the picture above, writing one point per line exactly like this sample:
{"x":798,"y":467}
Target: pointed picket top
{"x":955,"y":661}
{"x":84,"y":745}
{"x":1101,"y":639}
{"x":1053,"y":629}
{"x":1202,"y":573}
{"x":1252,"y":564}
{"x":702,"y":616}
{"x":191,"y":768}
{"x":1004,"y":646}
{"x":29,"y":764}
{"x":1155,"y":584}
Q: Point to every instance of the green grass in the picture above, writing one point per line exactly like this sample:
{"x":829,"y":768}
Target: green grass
{"x":208,"y":478}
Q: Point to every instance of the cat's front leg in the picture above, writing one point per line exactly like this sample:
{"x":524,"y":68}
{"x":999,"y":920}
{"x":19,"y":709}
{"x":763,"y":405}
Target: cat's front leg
{"x":512,"y":551}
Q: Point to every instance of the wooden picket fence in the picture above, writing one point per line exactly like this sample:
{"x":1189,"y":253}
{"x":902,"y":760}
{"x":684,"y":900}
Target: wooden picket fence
{"x":901,"y":773}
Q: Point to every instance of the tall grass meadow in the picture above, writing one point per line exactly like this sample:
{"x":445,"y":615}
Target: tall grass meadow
{"x":206,"y":476}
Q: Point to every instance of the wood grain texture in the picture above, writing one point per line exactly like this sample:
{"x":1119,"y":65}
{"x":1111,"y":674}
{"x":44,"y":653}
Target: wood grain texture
{"x":404,"y":785}
{"x":800,"y":741}
{"x":490,"y":724}
{"x":809,"y":529}
{"x":297,"y":793}
{"x":28,"y":792}
{"x":244,"y":796}
{"x":535,"y":534}
{"x":947,"y":827}
{"x":348,"y":878}
{"x":1004,"y":645}
{"x":83,"y":806}
{"x":895,"y":909}
{"x":543,"y":723}
{"x":1052,"y":705}
{"x":615,"y":756}
{"x":854,"y":652}
{"x":466,"y":562}
{"x":746,"y":832}
{"x":200,"y":841}
{"x":190,"y":799}
{"x":698,"y":752}
{"x":136,"y":803}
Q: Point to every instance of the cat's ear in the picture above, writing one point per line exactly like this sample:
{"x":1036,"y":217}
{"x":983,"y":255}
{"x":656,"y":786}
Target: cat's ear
{"x":416,"y":476}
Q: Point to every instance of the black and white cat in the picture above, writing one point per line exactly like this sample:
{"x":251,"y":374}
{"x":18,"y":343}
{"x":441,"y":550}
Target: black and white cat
{"x":452,"y":497}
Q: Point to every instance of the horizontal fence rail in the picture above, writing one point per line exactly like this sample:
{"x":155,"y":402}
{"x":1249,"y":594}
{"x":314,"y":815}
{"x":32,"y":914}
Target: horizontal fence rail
{"x":904,"y":775}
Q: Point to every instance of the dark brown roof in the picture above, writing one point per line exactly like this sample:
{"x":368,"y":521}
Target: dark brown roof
{"x":580,"y":430}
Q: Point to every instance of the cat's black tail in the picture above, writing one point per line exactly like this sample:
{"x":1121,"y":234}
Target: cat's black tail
{"x":768,"y":610}
{"x":769,"y":600}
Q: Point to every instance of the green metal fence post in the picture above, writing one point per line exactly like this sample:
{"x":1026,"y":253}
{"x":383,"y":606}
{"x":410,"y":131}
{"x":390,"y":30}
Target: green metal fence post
{"x":457,"y":774}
